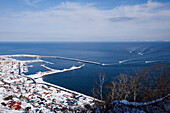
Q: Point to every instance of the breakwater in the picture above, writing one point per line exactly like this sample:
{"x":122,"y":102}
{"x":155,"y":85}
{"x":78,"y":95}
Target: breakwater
{"x":78,"y":60}
{"x":65,"y":58}
{"x":53,"y":71}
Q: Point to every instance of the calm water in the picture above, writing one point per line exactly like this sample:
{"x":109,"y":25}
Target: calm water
{"x":132,"y":56}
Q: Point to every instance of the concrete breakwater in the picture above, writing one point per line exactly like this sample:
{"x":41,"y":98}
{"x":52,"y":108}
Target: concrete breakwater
{"x":53,"y":71}
{"x":65,"y":58}
{"x":78,"y":60}
{"x":39,"y":80}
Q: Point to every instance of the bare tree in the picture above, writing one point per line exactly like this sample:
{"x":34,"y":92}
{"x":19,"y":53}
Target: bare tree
{"x":158,"y":85}
{"x":118,"y":88}
{"x":145,"y":85}
{"x":111,"y":91}
{"x":122,"y":86}
{"x":94,"y":90}
{"x":98,"y":91}
{"x":136,"y":83}
{"x":100,"y":84}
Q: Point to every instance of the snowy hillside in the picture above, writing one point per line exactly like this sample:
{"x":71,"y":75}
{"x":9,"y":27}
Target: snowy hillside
{"x":161,"y":105}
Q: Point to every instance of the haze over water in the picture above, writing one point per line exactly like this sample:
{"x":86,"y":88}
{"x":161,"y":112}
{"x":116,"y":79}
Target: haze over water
{"x":118,"y":57}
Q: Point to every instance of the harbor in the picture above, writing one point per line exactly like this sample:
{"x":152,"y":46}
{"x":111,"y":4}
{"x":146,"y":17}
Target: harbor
{"x":31,"y":92}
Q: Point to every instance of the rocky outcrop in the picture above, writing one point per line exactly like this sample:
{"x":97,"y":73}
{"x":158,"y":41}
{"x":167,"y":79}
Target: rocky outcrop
{"x":161,"y":105}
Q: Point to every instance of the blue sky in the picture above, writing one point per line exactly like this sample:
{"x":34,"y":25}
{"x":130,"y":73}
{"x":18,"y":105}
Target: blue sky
{"x":84,"y":20}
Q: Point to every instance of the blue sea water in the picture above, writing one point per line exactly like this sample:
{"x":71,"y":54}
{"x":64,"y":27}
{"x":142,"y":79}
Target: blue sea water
{"x":117,"y":57}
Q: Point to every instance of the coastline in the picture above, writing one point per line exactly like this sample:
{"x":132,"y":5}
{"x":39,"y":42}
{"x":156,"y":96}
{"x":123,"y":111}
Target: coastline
{"x":36,"y":83}
{"x":41,"y":81}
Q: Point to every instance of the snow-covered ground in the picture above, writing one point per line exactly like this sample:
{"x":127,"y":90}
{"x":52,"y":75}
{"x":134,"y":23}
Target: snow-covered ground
{"x":19,"y":93}
{"x":161,"y":105}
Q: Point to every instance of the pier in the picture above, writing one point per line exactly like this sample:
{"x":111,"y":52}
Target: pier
{"x":31,"y":61}
{"x":65,"y":58}
{"x":78,"y":60}
{"x":48,"y":68}
{"x":48,"y":62}
{"x":53,"y":71}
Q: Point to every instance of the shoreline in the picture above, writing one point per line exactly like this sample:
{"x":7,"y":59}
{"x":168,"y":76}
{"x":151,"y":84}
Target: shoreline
{"x":38,"y":78}
{"x":36,"y":82}
{"x":65,"y":89}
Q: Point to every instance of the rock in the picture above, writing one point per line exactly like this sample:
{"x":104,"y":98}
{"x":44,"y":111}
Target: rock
{"x":161,"y":105}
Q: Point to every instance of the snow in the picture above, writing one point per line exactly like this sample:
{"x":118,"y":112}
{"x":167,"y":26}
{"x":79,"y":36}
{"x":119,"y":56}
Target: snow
{"x":37,"y":95}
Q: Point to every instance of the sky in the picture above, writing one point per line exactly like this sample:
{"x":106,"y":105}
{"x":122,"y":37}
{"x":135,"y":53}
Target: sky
{"x":84,"y":20}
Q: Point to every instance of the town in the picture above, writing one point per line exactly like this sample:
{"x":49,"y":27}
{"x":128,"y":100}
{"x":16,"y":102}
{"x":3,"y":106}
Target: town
{"x":29,"y":93}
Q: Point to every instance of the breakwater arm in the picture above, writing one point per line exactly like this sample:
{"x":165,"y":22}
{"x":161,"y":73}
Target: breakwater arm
{"x":53,"y":71}
{"x":37,"y":56}
{"x":78,"y":60}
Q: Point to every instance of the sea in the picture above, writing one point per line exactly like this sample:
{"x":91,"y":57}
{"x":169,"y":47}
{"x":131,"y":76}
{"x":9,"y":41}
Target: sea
{"x":116,"y":57}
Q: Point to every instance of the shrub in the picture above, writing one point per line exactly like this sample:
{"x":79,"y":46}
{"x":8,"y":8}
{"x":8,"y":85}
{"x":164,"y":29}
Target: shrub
{"x":9,"y":98}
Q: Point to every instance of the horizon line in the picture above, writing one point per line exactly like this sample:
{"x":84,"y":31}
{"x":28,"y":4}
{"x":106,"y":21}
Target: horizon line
{"x":77,"y":41}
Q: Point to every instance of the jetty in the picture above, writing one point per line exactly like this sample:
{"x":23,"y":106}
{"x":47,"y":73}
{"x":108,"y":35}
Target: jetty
{"x":53,"y":71}
{"x":47,"y":67}
{"x":58,"y":57}
{"x":48,"y":62}
{"x":78,"y":60}
{"x":31,"y":61}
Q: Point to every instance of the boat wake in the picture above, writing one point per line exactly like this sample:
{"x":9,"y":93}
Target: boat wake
{"x":150,"y":61}
{"x":151,"y":51}
{"x":107,"y":64}
{"x":128,"y":60}
{"x":139,"y":60}
{"x":142,"y":51}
